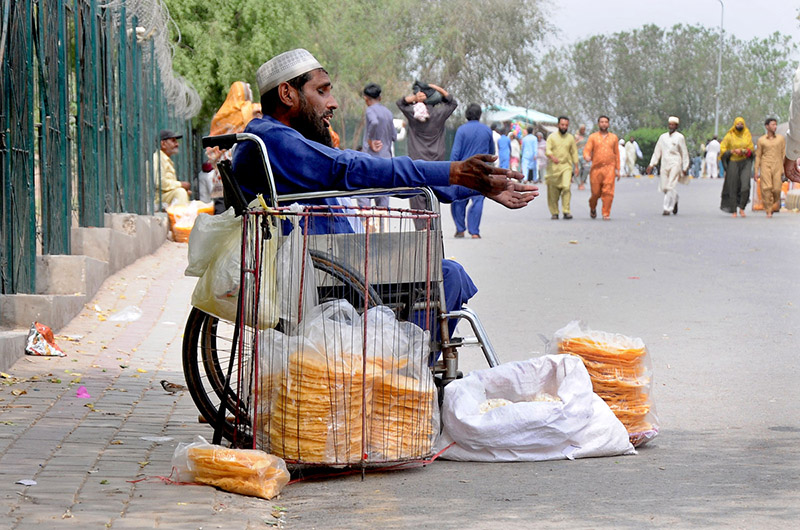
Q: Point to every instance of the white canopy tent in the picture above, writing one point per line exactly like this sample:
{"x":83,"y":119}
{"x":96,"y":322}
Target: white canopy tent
{"x":503,"y":113}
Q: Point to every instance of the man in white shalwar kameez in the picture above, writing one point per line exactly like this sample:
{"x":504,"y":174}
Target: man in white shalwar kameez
{"x":632,"y":152}
{"x":671,"y":151}
{"x":712,"y":158}
{"x":623,"y":159}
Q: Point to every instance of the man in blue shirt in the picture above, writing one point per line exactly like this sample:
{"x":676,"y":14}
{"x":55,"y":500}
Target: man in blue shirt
{"x":298,"y":106}
{"x":530,"y":150}
{"x":504,"y":150}
{"x":472,"y":138}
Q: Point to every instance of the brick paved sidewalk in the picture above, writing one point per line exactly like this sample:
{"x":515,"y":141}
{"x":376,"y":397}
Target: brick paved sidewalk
{"x":83,"y":453}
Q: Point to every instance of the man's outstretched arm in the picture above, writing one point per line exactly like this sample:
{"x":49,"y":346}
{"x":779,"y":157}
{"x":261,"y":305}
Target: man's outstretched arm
{"x":793,"y":134}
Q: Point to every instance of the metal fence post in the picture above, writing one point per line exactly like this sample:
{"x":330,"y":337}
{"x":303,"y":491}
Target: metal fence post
{"x":18,"y":196}
{"x":54,"y":178}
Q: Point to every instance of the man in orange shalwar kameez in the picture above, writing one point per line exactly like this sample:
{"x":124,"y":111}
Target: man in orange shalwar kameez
{"x":602,"y":151}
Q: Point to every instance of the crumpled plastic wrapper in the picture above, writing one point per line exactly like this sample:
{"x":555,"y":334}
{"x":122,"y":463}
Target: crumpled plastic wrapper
{"x":41,"y":342}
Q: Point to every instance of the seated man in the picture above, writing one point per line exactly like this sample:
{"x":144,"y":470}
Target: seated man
{"x":172,"y":189}
{"x":298,"y":107}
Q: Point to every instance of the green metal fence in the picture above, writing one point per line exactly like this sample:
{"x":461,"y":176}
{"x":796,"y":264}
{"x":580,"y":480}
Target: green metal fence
{"x":81,"y":103}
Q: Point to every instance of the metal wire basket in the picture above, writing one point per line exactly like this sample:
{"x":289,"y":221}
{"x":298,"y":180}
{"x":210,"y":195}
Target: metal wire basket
{"x":334,"y":332}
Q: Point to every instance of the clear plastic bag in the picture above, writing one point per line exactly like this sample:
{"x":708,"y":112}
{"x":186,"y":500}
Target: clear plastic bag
{"x":321,"y":390}
{"x":244,"y":471}
{"x":217,"y":290}
{"x":295,"y":275}
{"x":336,"y":328}
{"x":208,"y":233}
{"x":621,"y":373}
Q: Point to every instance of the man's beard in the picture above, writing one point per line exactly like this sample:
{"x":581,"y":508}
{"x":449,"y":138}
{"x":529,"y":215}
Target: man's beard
{"x":564,"y":131}
{"x":310,"y":125}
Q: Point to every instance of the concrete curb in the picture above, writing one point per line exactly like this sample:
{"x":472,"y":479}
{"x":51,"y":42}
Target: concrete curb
{"x":65,"y":283}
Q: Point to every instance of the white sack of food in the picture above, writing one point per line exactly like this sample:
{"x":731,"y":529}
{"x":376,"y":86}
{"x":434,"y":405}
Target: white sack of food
{"x":577,"y":425}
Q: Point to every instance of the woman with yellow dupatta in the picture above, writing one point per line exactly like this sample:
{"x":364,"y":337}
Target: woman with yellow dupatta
{"x":737,"y":146}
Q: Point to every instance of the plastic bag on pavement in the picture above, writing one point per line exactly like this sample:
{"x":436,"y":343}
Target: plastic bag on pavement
{"x":130,"y":313}
{"x":41,"y":342}
{"x":576,"y":425}
{"x":243,"y":471}
{"x":217,"y":290}
{"x":621,"y":374}
{"x":183,"y":216}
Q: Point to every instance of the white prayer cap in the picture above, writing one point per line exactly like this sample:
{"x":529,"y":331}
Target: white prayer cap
{"x":674,"y":119}
{"x":284,"y":67}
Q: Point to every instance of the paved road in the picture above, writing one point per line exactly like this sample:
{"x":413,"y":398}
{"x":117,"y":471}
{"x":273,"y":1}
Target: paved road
{"x":713,"y":298}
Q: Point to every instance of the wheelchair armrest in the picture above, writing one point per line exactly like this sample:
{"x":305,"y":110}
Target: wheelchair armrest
{"x":223,"y":141}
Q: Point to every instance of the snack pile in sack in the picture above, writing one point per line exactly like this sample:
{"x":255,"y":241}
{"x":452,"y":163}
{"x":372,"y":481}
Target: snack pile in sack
{"x":621,"y":374}
{"x":243,"y":471}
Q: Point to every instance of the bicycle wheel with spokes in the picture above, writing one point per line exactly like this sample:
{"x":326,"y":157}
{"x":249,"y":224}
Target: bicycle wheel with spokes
{"x":207,"y":342}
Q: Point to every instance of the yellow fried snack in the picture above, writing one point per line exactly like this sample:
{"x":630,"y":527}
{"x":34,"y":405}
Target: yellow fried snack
{"x":316,"y":414}
{"x":401,"y":423}
{"x":619,"y":377}
{"x":243,"y":471}
{"x":330,"y":409}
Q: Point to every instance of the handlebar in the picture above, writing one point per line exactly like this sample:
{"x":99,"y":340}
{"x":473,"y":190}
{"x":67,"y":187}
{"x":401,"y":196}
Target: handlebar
{"x":226,"y":141}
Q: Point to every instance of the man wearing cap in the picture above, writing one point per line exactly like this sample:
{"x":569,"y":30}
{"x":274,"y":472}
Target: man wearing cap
{"x":379,"y":133}
{"x":671,"y":151}
{"x":298,"y":105}
{"x":172,"y":190}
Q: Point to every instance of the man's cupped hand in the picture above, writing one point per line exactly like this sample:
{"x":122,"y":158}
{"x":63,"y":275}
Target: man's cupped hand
{"x":500,"y":185}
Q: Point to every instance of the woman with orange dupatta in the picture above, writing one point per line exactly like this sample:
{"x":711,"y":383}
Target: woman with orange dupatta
{"x":232,"y":117}
{"x":738,"y":145}
{"x":236,"y":112}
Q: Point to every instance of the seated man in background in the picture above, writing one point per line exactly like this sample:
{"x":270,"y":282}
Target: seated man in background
{"x":298,"y":107}
{"x":172,"y":190}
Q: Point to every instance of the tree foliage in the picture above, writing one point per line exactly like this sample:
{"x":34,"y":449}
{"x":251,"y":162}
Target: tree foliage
{"x":222,"y":41}
{"x":470,"y":48}
{"x":641,"y":77}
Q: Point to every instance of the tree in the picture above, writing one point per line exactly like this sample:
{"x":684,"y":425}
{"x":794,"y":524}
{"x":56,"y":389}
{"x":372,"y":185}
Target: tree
{"x":470,"y":48}
{"x":222,"y":41}
{"x":641,"y":77}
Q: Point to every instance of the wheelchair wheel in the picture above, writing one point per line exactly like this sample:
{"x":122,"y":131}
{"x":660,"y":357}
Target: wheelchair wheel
{"x":207,"y":343}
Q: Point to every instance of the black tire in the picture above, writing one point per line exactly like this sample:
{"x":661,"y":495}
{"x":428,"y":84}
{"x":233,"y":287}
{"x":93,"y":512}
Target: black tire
{"x":207,"y":342}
